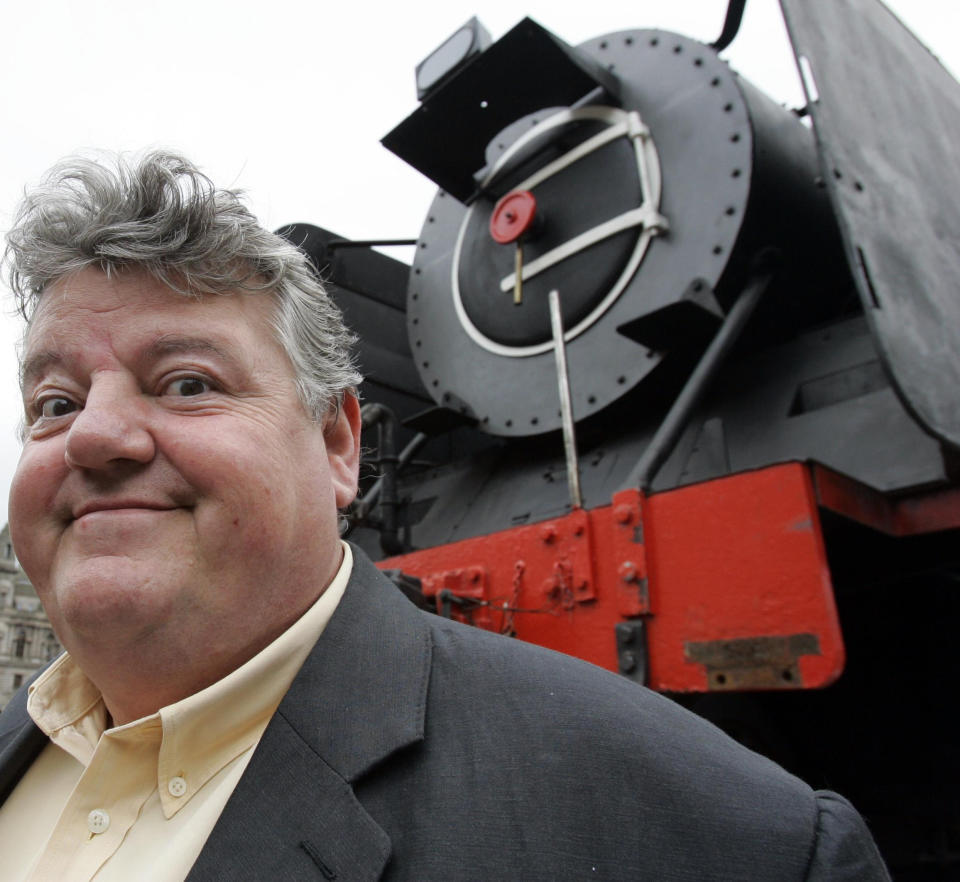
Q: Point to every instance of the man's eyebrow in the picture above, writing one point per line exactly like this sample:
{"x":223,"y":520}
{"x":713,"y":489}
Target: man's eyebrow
{"x":36,"y":364}
{"x":171,"y":344}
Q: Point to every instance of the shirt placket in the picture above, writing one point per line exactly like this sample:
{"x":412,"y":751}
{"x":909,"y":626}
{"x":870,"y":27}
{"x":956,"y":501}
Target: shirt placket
{"x":106,"y":802}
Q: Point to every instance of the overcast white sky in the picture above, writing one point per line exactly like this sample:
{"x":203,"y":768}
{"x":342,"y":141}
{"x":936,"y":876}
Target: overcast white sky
{"x":288,"y":99}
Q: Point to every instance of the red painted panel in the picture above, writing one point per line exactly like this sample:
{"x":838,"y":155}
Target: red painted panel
{"x":729,"y":575}
{"x":735,"y":558}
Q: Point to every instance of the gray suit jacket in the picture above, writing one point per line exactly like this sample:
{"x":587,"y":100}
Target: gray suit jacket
{"x":413,"y":748}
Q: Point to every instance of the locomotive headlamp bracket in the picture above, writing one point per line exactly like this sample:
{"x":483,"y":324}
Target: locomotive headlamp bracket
{"x":524,"y":71}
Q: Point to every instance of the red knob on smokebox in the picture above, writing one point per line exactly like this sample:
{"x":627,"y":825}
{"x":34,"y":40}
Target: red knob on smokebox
{"x":513,"y":216}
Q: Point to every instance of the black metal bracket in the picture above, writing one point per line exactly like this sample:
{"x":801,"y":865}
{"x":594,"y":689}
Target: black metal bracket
{"x":410,"y":586}
{"x":448,"y":600}
{"x":632,"y":652}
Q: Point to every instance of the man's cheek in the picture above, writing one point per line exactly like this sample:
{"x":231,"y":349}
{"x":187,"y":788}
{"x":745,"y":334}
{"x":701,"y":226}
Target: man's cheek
{"x":236,"y":528}
{"x":35,"y":483}
{"x":32,"y":528}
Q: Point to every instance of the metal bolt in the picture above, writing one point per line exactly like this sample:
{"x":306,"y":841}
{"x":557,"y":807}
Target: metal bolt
{"x":623,"y":513}
{"x":628,"y":571}
{"x":548,"y":533}
{"x":628,"y":661}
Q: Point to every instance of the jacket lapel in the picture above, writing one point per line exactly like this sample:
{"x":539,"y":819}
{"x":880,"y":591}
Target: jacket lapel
{"x":20,"y":742}
{"x":359,"y":698}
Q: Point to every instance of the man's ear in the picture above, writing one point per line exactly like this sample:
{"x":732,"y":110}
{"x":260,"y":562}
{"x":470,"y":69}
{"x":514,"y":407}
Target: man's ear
{"x":342,"y":438}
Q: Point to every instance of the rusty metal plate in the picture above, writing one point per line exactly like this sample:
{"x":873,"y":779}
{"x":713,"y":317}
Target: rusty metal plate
{"x":886,"y":114}
{"x":753,"y":662}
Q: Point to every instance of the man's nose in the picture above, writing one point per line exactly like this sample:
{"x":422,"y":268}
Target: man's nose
{"x":112,"y":428}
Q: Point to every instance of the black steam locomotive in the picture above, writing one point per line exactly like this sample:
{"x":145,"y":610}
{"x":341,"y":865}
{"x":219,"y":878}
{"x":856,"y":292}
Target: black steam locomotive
{"x":672,"y":384}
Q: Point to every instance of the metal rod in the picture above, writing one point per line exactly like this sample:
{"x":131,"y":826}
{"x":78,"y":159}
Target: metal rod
{"x":680,"y":412}
{"x":731,"y":24}
{"x":518,"y":275}
{"x":385,"y":420}
{"x":408,"y":452}
{"x":334,"y":244}
{"x":566,"y":407}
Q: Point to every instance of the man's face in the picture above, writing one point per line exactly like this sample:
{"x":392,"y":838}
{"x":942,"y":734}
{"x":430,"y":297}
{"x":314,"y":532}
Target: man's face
{"x":172,"y":490}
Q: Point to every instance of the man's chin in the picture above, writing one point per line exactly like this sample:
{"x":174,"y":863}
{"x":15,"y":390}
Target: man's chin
{"x":110,"y":595}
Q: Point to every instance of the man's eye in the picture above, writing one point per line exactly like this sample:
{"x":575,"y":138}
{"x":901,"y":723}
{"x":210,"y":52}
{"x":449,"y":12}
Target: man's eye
{"x":56,"y":407}
{"x":187,"y":386}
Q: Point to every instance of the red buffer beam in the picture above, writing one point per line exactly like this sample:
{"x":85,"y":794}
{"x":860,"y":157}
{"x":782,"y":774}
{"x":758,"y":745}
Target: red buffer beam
{"x":717,"y":586}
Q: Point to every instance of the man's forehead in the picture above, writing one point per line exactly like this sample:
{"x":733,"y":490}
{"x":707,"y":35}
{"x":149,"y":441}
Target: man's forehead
{"x":87,"y":293}
{"x":150,"y":319}
{"x":98,"y":290}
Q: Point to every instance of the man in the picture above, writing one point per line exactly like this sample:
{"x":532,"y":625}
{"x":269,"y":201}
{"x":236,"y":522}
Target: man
{"x":243,"y":696}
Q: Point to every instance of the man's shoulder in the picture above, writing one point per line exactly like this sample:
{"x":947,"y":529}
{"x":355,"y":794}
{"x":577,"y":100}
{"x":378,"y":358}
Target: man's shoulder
{"x":527,"y":685}
{"x":519,"y":726}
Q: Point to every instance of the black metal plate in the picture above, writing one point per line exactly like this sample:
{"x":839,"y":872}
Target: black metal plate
{"x":525,"y":70}
{"x":887,"y":123}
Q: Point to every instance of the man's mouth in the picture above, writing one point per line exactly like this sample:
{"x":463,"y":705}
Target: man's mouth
{"x":120,"y":505}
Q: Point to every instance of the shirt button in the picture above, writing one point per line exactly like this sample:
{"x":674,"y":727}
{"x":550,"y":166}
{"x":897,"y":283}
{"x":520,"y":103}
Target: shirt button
{"x":98,"y":821}
{"x":177,"y":786}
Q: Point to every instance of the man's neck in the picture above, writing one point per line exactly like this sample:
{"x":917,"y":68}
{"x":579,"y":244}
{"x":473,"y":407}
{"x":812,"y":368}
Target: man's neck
{"x":138,"y":680}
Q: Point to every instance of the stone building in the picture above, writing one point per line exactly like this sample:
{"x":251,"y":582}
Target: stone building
{"x":26,"y":639}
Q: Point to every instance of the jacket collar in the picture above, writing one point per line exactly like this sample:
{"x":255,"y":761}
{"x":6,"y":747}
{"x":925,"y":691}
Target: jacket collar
{"x":359,"y":697}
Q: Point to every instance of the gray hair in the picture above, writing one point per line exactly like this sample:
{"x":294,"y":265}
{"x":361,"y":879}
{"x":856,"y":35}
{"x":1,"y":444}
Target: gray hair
{"x":161,"y":215}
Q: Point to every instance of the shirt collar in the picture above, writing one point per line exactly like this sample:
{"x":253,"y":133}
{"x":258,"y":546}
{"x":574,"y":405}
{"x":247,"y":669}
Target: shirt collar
{"x":202,"y":732}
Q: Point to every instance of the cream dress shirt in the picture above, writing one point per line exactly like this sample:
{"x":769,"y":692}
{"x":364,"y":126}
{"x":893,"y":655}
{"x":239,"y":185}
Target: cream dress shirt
{"x":137,"y":802}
